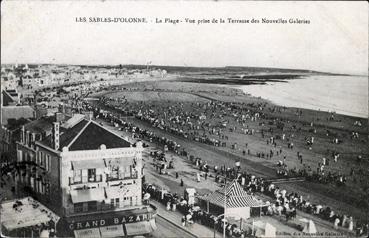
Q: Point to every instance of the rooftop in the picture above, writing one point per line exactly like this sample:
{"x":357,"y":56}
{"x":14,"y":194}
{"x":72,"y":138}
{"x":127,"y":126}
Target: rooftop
{"x":94,"y":135}
{"x":40,"y":125}
{"x":25,"y":212}
{"x":87,"y":135}
{"x":16,"y":112}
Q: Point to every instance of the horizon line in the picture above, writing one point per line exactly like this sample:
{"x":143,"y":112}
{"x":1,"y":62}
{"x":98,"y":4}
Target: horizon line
{"x":189,"y":66}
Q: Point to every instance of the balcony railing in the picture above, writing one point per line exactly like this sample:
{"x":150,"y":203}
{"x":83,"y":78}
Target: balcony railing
{"x":86,"y":179}
{"x":122,"y":176}
{"x":101,"y":208}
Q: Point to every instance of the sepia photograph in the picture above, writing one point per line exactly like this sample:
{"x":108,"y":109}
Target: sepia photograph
{"x":184,"y":119}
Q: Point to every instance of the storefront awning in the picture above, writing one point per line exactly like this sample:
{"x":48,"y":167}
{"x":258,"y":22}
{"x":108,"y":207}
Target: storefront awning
{"x":112,"y":231}
{"x":138,"y":228}
{"x":87,"y":233}
{"x":86,"y":195}
{"x":88,"y":164}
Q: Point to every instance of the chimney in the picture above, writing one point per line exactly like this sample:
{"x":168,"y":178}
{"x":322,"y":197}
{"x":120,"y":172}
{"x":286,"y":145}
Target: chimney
{"x":55,"y":136}
{"x":62,"y":108}
{"x":89,"y":115}
{"x":59,"y":117}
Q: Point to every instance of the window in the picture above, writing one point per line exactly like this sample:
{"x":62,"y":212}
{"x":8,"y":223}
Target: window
{"x":38,"y":157}
{"x":91,"y":175}
{"x":48,"y":162}
{"x":92,"y":206}
{"x":78,"y":207}
{"x":43,"y":188}
{"x":114,"y":202}
{"x":41,"y":159}
{"x":77,"y":176}
{"x":47,"y":188}
{"x":85,"y":207}
{"x":114,"y":172}
{"x":29,"y":135}
{"x":20,"y":155}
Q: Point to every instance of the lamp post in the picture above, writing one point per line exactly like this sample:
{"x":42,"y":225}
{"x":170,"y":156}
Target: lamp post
{"x":216,"y":222}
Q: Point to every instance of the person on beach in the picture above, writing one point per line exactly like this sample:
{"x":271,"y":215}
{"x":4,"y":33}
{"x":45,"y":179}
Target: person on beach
{"x":183,"y":220}
{"x":336,"y":222}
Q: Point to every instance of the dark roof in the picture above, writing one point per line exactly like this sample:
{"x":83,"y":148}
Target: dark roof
{"x":87,"y":135}
{"x":16,"y":112}
{"x":7,"y":98}
{"x":41,"y":125}
{"x":67,"y":135}
{"x":16,"y":124}
{"x":95,"y":135}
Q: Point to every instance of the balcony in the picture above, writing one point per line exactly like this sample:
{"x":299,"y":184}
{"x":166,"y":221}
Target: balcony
{"x":100,"y":208}
{"x":86,"y":179}
{"x":121,"y":176}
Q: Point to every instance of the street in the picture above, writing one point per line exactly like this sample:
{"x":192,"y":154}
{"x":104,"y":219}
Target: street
{"x":167,"y":229}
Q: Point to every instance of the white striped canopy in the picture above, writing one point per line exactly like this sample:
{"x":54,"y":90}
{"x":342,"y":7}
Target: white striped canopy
{"x":236,"y":197}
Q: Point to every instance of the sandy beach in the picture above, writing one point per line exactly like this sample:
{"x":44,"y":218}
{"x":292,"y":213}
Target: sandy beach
{"x":352,"y":198}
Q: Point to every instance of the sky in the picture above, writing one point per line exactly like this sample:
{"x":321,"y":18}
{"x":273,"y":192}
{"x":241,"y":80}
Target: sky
{"x":336,"y":40}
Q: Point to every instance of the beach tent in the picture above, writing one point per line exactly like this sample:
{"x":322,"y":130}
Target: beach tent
{"x":264,"y":229}
{"x":238,"y":201}
{"x":309,"y":227}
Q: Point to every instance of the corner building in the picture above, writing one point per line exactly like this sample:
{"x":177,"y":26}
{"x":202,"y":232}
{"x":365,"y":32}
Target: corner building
{"x":96,"y":181}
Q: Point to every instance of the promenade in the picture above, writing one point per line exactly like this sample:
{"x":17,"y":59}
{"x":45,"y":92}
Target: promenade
{"x":175,"y":218}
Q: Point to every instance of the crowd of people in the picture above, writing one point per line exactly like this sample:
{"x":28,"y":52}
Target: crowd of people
{"x":284,"y":203}
{"x":210,"y":122}
{"x":192,"y":213}
{"x":252,"y":185}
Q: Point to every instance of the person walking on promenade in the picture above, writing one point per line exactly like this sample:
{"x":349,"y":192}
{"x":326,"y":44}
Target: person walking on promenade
{"x":183,"y":220}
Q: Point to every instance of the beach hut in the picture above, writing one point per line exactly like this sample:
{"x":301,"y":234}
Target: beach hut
{"x":264,"y":229}
{"x":238,"y":202}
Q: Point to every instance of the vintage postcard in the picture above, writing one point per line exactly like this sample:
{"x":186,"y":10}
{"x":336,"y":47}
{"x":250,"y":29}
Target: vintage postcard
{"x":184,"y":119}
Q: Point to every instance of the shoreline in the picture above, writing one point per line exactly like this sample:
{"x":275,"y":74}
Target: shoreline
{"x":266,"y":89}
{"x":312,"y":107}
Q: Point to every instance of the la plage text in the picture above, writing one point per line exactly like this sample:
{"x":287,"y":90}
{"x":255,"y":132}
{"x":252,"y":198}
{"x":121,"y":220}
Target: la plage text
{"x":111,"y":19}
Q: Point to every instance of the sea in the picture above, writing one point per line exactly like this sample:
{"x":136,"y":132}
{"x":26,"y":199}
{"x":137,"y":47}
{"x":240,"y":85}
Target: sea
{"x":346,"y":95}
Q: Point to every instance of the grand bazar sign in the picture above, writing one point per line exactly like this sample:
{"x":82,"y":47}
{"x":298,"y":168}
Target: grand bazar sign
{"x":109,"y":221}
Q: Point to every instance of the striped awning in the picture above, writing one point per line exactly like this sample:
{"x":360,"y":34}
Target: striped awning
{"x":236,"y":197}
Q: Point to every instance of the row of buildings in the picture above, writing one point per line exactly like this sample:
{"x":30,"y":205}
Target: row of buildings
{"x":38,"y":76}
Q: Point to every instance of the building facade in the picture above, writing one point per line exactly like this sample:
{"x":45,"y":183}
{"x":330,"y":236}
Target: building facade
{"x":91,"y":178}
